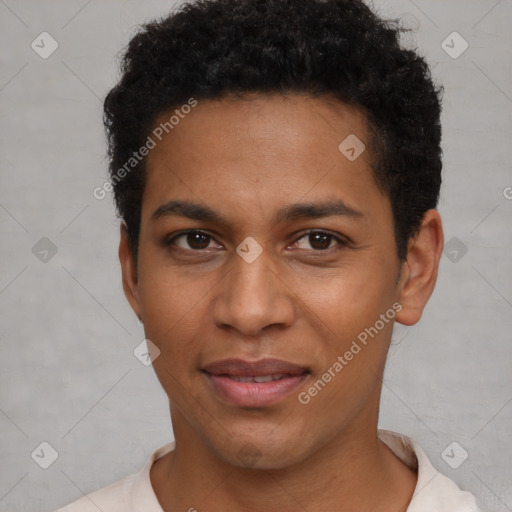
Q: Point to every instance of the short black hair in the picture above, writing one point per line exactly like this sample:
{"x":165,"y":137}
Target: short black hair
{"x":210,"y":49}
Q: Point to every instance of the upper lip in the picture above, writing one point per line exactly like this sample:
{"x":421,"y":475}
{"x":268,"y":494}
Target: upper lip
{"x":262,"y":367}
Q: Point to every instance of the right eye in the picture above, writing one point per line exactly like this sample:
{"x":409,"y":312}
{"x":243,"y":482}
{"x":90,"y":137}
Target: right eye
{"x":191,"y":240}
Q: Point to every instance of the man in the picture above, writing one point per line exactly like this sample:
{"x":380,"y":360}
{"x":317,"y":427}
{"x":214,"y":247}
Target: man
{"x":276,"y":165}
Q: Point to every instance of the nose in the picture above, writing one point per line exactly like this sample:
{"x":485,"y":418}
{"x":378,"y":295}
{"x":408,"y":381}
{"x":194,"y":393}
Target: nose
{"x":252,"y":297}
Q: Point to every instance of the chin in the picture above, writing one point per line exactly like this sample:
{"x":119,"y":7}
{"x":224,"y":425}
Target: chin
{"x":261,"y":452}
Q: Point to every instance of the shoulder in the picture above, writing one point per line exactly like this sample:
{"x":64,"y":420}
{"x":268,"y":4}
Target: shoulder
{"x":434,"y":491}
{"x":133,"y":492}
{"x":112,"y":498}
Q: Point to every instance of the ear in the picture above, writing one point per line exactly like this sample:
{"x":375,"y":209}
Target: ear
{"x":129,"y":271}
{"x":419,"y":271}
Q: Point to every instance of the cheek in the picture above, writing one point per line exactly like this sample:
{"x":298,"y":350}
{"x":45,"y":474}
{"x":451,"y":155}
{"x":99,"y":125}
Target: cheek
{"x":172,"y":310}
{"x":171,"y":305}
{"x":352,"y":347}
{"x":349,"y":299}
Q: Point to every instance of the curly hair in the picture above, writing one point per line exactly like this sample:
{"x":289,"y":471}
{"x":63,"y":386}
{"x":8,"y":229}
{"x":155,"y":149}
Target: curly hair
{"x":209,"y":49}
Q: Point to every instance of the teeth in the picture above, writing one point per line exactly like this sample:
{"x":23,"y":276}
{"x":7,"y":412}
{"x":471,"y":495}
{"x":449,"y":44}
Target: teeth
{"x":266,"y":378}
{"x":241,"y":379}
{"x":258,"y":378}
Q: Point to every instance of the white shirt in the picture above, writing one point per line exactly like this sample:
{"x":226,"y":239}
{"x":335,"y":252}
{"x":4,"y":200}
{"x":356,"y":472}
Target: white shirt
{"x":434,"y":492}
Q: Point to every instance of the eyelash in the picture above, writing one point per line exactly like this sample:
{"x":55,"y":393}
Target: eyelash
{"x":341,"y":242}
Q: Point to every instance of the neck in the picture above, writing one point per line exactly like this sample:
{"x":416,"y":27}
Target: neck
{"x":354,"y":471}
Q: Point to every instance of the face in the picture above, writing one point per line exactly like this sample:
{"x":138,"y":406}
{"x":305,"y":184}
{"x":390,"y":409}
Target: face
{"x":265,"y":254}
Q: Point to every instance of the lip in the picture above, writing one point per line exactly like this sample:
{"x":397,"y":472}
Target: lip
{"x":222,"y":375}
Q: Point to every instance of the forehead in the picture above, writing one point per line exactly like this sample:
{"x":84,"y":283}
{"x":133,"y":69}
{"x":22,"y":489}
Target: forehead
{"x":261,"y":149}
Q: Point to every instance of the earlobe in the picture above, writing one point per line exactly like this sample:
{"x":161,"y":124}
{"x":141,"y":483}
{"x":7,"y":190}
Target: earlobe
{"x":129,"y":271}
{"x":419,"y":271}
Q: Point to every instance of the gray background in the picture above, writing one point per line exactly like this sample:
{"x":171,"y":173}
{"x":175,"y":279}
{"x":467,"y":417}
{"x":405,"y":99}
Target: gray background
{"x":68,"y":373}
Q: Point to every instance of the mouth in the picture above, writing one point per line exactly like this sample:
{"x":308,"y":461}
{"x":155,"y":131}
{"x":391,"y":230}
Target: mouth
{"x":254,"y":383}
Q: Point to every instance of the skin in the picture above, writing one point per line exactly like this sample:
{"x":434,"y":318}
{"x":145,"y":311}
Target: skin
{"x":246,"y":159}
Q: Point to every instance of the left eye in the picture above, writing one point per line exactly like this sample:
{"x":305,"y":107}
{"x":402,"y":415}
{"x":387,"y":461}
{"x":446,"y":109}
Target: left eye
{"x":318,"y":241}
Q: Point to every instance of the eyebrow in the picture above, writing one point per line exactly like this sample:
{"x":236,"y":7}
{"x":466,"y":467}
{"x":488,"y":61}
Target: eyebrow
{"x":295,"y":211}
{"x":317,"y":211}
{"x":187,"y":209}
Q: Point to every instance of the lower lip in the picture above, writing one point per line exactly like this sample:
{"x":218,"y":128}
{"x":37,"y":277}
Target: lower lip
{"x":254,"y":394}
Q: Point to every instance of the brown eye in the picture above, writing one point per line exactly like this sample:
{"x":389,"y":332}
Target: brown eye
{"x":318,"y":241}
{"x":195,"y":240}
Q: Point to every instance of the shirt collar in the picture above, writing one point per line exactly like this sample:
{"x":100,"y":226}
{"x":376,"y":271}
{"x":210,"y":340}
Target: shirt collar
{"x":433,"y":491}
